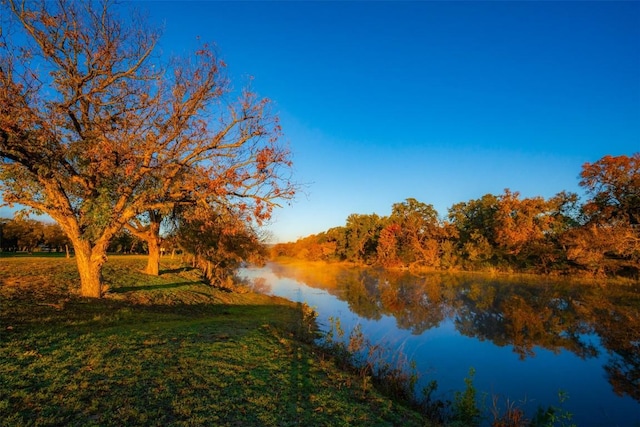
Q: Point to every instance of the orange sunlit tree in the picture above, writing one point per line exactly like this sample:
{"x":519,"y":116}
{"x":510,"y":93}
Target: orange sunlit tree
{"x":217,"y":242}
{"x":609,"y":240}
{"x":97,"y":131}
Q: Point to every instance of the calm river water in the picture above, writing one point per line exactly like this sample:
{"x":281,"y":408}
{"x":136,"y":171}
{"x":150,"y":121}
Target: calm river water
{"x":527,"y":340}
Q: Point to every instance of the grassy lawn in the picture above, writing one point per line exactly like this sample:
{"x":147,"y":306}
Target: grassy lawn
{"x":165,"y":350}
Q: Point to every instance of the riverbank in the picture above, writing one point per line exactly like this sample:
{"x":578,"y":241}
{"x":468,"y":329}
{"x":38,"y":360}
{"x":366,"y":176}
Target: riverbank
{"x":575,"y":279}
{"x":165,"y":350}
{"x":527,"y":338}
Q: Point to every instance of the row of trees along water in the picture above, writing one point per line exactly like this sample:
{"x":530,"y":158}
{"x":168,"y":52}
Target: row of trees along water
{"x":101,"y":132}
{"x":504,"y":232}
{"x":218,"y":248}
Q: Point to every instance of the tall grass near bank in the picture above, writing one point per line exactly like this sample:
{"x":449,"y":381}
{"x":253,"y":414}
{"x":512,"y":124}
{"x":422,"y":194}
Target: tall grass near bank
{"x":165,"y":350}
{"x":376,"y":365}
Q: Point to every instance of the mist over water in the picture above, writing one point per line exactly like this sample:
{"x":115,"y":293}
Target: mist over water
{"x":527,"y":339}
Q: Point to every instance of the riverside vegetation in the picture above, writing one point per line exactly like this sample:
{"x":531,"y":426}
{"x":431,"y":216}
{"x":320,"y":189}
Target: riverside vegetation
{"x":170,"y":350}
{"x":560,"y":236}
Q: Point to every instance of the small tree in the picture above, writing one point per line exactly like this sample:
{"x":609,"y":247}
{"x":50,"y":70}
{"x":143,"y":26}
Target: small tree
{"x":96,"y":132}
{"x":217,"y":242}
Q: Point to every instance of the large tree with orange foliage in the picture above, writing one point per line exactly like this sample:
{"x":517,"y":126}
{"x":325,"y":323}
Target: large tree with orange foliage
{"x":610,"y":236}
{"x":613,"y":185}
{"x":413,"y":235}
{"x":96,"y":131}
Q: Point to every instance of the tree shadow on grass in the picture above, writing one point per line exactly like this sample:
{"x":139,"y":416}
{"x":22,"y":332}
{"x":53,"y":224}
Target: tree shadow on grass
{"x":123,"y":289}
{"x":116,"y":349}
{"x":176,"y":270}
{"x":299,"y":377}
{"x":80,"y":314}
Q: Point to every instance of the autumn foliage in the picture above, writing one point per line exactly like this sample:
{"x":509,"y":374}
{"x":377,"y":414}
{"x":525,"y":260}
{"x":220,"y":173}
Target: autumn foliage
{"x":503,"y":232}
{"x":29,"y":235}
{"x":97,"y":130}
{"x":217,"y":243}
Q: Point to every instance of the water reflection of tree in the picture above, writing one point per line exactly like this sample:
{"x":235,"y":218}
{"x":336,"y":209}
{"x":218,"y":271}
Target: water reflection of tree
{"x":362,"y":292}
{"x":616,"y":318}
{"x":524,"y":314}
{"x":416,"y":305}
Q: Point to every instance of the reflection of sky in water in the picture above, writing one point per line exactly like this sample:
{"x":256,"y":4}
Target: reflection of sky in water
{"x":443,"y":354}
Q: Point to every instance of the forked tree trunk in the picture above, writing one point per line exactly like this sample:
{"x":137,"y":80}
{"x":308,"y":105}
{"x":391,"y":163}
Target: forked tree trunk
{"x":90,"y":261}
{"x":151,"y":235}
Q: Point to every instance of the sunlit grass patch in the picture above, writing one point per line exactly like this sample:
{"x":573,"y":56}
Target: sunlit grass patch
{"x":164,"y":350}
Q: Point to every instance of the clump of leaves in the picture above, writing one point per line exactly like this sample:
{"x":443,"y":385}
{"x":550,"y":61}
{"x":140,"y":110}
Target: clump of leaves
{"x":465,"y":406}
{"x":554,"y":416}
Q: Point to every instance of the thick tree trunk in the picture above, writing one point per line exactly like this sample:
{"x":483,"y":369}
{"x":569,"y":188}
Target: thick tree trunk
{"x":152,"y":236}
{"x":153,"y":262}
{"x":90,"y":261}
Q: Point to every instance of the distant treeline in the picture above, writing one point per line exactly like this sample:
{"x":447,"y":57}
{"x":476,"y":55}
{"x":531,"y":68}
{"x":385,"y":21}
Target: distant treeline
{"x":217,"y":248}
{"x":30,"y":235}
{"x":505,"y":232}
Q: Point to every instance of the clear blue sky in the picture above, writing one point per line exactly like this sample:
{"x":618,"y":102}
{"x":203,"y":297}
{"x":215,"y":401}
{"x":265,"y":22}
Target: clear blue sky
{"x":440,"y":101}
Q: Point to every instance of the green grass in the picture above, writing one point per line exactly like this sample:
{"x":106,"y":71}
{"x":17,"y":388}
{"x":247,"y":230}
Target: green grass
{"x":165,"y":350}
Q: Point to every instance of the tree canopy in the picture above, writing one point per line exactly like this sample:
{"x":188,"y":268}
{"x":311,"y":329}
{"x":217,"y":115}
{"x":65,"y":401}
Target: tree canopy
{"x":96,"y":129}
